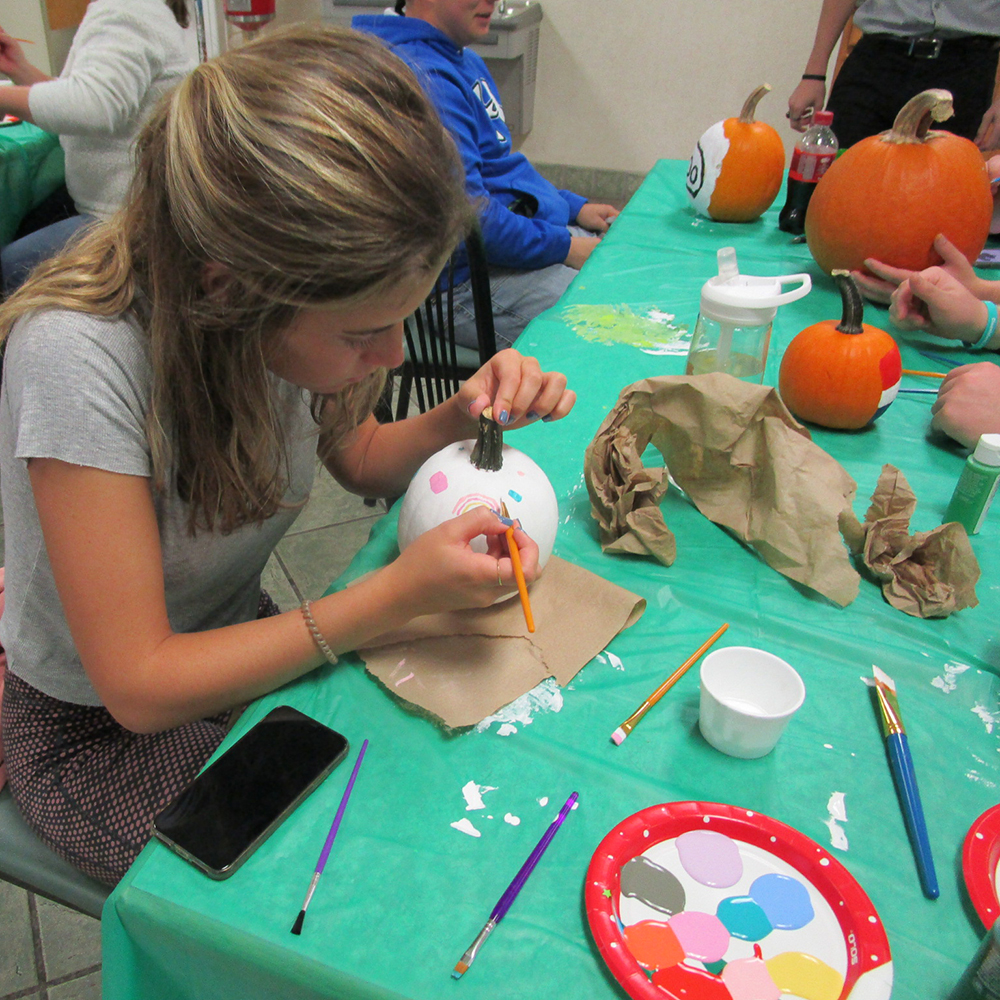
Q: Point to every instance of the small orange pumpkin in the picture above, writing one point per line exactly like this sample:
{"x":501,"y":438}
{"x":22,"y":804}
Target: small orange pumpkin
{"x":841,"y":375}
{"x":889,"y":195}
{"x":736,"y":169}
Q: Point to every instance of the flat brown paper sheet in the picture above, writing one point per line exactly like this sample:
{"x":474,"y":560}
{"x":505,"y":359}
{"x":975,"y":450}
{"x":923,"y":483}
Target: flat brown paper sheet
{"x":744,"y":461}
{"x":929,"y":574}
{"x":462,"y":666}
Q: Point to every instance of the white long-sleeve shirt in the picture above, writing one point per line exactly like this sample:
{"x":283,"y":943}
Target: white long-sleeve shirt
{"x":125,"y":56}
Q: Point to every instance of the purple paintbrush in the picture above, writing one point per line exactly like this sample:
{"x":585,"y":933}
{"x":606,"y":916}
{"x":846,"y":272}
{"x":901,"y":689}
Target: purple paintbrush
{"x":325,"y":853}
{"x":510,"y":893}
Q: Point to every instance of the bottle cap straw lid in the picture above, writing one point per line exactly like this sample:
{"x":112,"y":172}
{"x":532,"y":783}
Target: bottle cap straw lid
{"x":988,"y":450}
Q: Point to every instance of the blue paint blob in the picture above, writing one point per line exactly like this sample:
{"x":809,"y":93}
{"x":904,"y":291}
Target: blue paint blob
{"x":514,"y":496}
{"x":715,"y":967}
{"x":743,"y":918}
{"x":785,"y":900}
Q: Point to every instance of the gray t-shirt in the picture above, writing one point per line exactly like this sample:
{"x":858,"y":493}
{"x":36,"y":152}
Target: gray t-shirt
{"x":940,"y":18}
{"x":76,"y":387}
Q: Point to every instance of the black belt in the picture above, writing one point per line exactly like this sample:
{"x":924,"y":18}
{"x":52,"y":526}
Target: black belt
{"x":932,"y":48}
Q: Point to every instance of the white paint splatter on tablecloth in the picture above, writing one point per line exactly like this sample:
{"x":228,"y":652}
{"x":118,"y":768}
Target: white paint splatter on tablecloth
{"x":544,"y":697}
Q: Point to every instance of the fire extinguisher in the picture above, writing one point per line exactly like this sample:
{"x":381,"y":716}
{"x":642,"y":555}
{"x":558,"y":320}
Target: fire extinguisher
{"x":250,"y":15}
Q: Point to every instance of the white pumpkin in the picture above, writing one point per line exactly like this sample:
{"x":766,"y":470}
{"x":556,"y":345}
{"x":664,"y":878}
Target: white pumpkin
{"x":448,"y":484}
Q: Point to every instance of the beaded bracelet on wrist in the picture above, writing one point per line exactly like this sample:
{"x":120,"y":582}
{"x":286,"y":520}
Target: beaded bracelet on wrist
{"x":321,"y":644}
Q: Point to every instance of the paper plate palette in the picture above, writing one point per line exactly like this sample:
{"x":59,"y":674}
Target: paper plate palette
{"x":980,"y":854}
{"x":699,"y":899}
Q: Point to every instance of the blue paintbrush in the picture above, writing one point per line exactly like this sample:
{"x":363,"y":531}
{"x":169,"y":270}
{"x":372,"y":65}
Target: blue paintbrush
{"x":906,"y":780}
{"x":510,"y":893}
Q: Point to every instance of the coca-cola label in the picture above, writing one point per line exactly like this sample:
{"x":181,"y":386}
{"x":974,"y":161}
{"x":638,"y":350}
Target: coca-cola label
{"x":807,"y":166}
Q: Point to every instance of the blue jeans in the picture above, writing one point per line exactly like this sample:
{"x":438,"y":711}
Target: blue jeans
{"x":17,"y":259}
{"x":518,"y":297}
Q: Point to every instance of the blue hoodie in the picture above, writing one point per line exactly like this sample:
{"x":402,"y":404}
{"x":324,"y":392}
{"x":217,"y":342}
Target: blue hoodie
{"x":465,"y":96}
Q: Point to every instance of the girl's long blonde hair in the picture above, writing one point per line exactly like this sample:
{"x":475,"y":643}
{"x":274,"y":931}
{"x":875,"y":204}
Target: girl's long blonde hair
{"x":310,"y":164}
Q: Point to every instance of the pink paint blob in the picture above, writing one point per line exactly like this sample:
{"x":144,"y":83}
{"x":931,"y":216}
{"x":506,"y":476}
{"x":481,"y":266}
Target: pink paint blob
{"x":703,"y":936}
{"x":748,"y":979}
{"x":710,"y":858}
{"x":439,"y":482}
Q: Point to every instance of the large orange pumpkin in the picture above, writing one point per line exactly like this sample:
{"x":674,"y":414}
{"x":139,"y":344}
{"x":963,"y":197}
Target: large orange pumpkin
{"x":841,"y":375}
{"x":737,"y":167}
{"x":889,"y":195}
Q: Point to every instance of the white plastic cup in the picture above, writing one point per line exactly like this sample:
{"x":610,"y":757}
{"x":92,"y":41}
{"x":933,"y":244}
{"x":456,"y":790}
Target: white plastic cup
{"x":747,"y":697}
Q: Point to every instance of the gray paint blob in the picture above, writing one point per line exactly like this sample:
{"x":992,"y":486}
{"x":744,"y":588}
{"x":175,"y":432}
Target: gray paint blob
{"x":652,"y":885}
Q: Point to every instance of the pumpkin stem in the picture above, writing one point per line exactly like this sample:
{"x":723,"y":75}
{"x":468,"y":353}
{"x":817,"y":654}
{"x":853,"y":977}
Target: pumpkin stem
{"x":914,"y":118}
{"x":854,"y":308}
{"x":750,"y":104}
{"x":488,"y":453}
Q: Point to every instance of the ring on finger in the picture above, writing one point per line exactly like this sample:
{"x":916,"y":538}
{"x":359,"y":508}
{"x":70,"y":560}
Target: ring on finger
{"x":499,"y":578}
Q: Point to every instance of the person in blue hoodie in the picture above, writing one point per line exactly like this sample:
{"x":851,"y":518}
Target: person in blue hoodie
{"x":537,"y":237}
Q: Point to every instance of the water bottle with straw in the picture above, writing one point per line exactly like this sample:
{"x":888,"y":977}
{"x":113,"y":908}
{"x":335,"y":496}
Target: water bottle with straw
{"x":734,"y":325}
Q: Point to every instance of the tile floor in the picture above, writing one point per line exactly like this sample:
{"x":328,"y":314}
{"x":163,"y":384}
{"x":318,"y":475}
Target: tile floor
{"x":48,"y":952}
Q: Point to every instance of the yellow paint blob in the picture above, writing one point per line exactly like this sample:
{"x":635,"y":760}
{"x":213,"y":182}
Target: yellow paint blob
{"x":805,"y":976}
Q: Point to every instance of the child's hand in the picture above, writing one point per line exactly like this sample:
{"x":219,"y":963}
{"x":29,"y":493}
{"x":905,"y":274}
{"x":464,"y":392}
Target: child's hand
{"x":517,"y":389}
{"x":968,"y":403}
{"x":596,"y":218}
{"x":936,"y":301}
{"x":439,"y":571}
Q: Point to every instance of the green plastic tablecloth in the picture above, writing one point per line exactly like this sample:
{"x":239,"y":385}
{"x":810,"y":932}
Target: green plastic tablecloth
{"x":31,"y":168}
{"x":404,"y":893}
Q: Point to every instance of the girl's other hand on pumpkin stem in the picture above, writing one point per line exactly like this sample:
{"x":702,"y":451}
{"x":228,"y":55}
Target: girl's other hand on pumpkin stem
{"x":518,"y":390}
{"x":440,"y":571}
{"x":938,"y":302}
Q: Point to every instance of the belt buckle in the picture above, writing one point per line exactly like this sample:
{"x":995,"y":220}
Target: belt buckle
{"x":925,"y":48}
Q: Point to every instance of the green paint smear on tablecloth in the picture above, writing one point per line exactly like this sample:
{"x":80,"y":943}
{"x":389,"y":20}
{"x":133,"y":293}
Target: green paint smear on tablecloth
{"x":645,"y":327}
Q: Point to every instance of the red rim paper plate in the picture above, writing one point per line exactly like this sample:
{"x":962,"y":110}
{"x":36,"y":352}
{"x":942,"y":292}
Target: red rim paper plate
{"x":867,"y":965}
{"x":980,"y":854}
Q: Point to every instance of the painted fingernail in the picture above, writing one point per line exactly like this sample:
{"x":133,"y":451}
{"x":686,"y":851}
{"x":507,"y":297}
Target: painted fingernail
{"x":548,"y":418}
{"x":504,"y":417}
{"x":505,"y":520}
{"x":531,"y":415}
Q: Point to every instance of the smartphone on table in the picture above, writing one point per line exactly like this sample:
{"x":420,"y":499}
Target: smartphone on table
{"x":235,"y":804}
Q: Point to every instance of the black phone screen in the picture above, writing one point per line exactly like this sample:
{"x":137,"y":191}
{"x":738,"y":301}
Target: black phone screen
{"x":241,"y":797}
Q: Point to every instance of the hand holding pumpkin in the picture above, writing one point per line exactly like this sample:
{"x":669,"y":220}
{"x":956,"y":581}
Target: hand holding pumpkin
{"x":936,"y":301}
{"x":517,"y":389}
{"x":439,"y":570}
{"x":968,"y":403}
{"x":888,"y":278}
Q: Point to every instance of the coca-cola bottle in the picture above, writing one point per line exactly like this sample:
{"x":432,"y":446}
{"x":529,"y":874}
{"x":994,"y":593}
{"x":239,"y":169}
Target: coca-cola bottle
{"x":814,"y":152}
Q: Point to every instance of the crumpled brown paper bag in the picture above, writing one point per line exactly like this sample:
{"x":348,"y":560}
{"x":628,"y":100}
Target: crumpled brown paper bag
{"x":744,"y":461}
{"x":461,"y":666}
{"x":929,"y":574}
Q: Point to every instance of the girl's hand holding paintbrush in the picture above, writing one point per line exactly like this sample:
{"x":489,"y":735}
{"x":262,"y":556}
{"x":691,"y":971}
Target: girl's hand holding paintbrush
{"x":440,"y":571}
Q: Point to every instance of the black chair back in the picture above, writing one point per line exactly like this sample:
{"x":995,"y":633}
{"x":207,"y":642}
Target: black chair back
{"x":435,"y":364}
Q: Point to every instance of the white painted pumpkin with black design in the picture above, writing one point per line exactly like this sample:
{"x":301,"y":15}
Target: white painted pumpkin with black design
{"x":449,"y":483}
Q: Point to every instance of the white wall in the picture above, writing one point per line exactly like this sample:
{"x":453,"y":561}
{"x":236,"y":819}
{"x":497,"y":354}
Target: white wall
{"x":622,"y":83}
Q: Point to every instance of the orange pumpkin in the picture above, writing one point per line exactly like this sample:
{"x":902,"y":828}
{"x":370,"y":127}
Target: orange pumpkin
{"x":736,"y":169}
{"x":889,"y":195}
{"x":841,"y":375}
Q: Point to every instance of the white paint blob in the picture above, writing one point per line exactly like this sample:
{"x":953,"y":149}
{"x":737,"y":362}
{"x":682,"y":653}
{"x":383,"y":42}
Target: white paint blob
{"x":544,"y":697}
{"x":615,"y":661}
{"x":512,"y":819}
{"x":474,"y":794}
{"x":947,"y":683}
{"x":464,"y":826}
{"x":507,"y":729}
{"x":838,"y":814}
{"x":543,"y":801}
{"x":989,"y":719}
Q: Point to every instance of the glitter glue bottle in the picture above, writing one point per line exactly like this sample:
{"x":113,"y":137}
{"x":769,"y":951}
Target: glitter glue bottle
{"x":976,"y":485}
{"x":981,"y":980}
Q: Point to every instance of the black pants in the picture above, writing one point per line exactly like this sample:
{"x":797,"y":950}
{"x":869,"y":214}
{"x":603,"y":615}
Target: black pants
{"x":879,"y":77}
